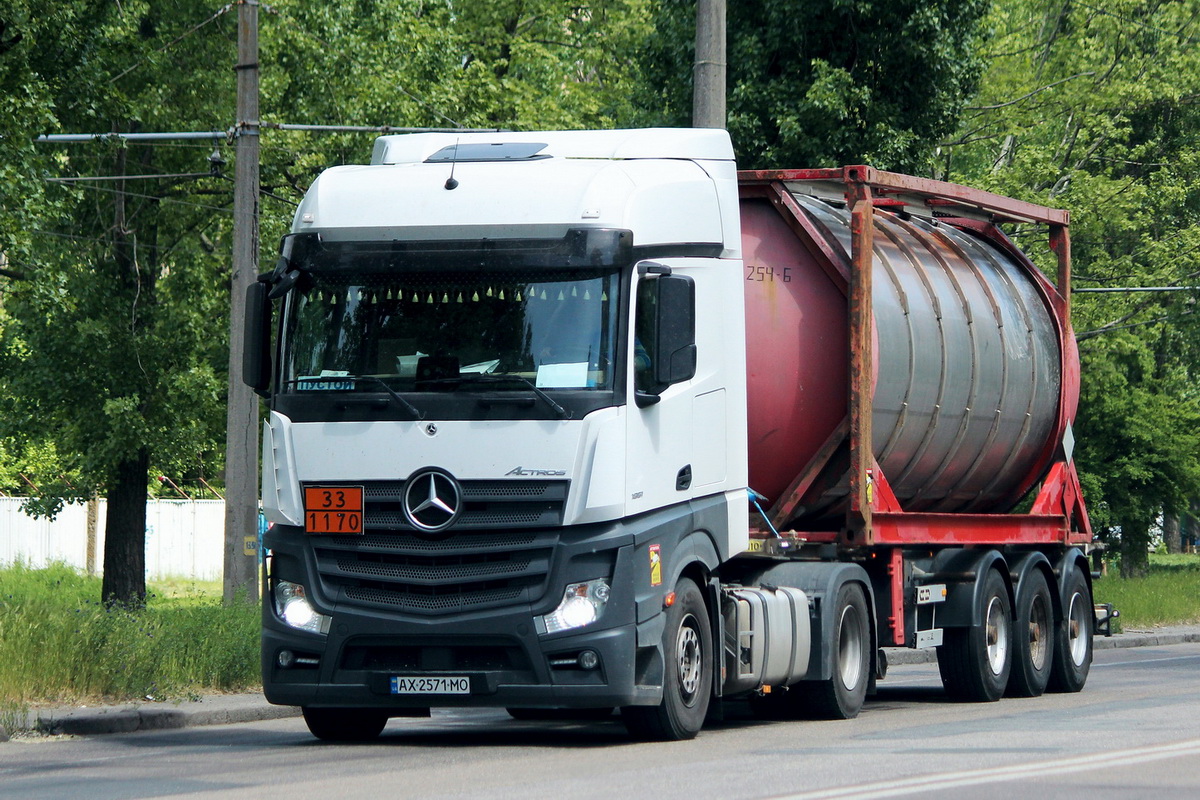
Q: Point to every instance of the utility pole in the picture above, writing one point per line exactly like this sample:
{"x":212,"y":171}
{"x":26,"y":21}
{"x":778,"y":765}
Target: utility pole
{"x":241,"y":437}
{"x":708,"y":71}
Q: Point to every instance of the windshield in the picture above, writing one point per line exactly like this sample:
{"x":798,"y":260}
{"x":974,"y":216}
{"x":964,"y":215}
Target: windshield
{"x":440,"y":330}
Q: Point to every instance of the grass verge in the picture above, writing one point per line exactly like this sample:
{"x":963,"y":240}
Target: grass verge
{"x":1169,"y":595}
{"x":58,"y":644}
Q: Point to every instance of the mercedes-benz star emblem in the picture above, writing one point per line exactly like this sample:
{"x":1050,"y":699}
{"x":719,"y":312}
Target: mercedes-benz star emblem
{"x":432,"y":500}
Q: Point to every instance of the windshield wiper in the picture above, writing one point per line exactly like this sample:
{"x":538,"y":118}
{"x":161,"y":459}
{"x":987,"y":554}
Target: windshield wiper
{"x":478,"y":377}
{"x":409,"y":407}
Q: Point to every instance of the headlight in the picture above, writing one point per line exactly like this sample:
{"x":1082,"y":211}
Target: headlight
{"x":582,"y":604}
{"x":292,"y":606}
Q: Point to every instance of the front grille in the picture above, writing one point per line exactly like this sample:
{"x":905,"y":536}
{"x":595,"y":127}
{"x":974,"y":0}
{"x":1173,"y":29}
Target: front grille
{"x":428,"y":569}
{"x":430,"y":601}
{"x":497,"y":553}
{"x":435,"y":574}
{"x":486,"y":504}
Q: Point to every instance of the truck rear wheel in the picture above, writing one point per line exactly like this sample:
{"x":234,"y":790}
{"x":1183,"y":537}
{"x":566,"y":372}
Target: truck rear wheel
{"x":1033,"y":637}
{"x":687,"y":684}
{"x":842,"y":696}
{"x":975,"y":662}
{"x":1073,"y":639}
{"x":345,"y":724}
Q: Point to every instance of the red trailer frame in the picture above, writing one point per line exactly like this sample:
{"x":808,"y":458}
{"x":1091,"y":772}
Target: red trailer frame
{"x":875,"y":518}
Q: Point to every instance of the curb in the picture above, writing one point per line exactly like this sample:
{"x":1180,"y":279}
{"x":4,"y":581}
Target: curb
{"x":215,"y":710}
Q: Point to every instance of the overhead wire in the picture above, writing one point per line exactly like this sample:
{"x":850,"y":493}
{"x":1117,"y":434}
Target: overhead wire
{"x":173,"y":42}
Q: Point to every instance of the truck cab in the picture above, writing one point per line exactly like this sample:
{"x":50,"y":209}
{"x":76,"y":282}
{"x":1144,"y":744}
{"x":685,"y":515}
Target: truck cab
{"x":507,"y":415}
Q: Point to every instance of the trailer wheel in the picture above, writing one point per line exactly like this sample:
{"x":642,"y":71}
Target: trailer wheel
{"x":1073,"y":639}
{"x":1033,"y":637}
{"x":345,"y":724}
{"x":687,"y":684}
{"x":975,"y":662}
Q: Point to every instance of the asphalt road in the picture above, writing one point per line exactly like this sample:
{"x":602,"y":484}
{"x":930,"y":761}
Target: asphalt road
{"x":1133,"y":732}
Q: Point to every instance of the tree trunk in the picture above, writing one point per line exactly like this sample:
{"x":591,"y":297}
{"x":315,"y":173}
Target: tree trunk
{"x":125,"y":537}
{"x":1133,"y":547}
{"x":1172,"y":534}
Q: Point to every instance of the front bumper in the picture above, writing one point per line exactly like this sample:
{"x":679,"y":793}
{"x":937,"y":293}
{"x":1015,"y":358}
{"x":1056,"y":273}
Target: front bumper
{"x":499,"y":649}
{"x":503,"y":670}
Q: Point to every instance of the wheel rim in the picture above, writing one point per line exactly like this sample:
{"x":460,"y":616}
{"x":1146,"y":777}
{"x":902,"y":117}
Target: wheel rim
{"x":688,"y":660}
{"x":850,"y":647}
{"x":997,"y":636}
{"x":1076,"y":638}
{"x":1039,"y":632}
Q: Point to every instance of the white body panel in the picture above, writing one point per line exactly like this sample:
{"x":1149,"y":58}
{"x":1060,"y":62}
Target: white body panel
{"x":587,"y":452}
{"x":670,"y":188}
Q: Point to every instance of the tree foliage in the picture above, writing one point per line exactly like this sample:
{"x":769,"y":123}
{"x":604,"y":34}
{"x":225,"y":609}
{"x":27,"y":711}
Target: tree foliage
{"x":113,"y":316}
{"x":1093,"y":107}
{"x":821,"y":83}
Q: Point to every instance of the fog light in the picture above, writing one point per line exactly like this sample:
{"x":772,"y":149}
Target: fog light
{"x":292,"y":606}
{"x":588,"y":659}
{"x":286,"y":658}
{"x":582,"y":604}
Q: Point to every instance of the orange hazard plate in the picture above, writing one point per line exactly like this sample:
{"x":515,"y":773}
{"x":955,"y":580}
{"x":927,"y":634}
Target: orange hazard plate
{"x":333,"y":509}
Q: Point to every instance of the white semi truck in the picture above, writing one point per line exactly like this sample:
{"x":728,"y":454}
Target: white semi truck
{"x":589,"y":420}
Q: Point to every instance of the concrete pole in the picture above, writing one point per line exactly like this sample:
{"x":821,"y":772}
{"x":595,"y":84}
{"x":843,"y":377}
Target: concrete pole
{"x":93,"y":525}
{"x":241,"y":438}
{"x":708,"y":71}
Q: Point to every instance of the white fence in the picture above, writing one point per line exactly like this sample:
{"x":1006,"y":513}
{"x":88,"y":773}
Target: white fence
{"x":184,"y":538}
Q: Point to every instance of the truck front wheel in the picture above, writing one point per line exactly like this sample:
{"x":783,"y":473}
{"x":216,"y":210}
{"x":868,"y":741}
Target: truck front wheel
{"x":345,"y":724}
{"x":687,"y":683}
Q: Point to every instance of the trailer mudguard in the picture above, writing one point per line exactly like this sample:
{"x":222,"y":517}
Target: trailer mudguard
{"x":820,"y":581}
{"x":1022,"y":565}
{"x":960,"y":570}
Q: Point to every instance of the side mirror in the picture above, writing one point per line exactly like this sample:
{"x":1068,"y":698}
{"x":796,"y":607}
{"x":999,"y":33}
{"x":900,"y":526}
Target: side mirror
{"x":256,"y":339}
{"x":665,"y":333}
{"x":676,"y":329}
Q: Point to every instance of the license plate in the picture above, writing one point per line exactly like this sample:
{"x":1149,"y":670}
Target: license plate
{"x":333,"y":509}
{"x":456,"y":684}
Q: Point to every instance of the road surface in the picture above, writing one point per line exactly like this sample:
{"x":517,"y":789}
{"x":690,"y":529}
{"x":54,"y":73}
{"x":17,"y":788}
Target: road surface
{"x":1133,"y":732}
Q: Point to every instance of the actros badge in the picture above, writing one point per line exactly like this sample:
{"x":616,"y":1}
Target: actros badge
{"x":432,"y":500}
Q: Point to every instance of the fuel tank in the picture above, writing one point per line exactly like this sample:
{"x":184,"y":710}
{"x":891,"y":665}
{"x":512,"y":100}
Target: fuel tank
{"x":968,"y":368}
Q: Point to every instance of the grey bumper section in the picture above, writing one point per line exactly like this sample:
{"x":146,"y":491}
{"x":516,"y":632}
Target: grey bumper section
{"x":225,"y":709}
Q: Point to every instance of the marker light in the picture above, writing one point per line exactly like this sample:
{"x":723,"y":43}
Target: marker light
{"x":292,"y":606}
{"x":582,"y":604}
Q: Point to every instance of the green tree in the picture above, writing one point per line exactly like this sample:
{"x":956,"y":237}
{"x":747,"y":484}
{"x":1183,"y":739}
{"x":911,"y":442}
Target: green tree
{"x":1092,"y":107}
{"x":109,"y":352}
{"x":114,"y":355}
{"x":820,"y":83}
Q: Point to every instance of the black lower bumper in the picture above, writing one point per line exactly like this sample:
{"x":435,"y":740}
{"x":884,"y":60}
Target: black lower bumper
{"x":501,"y":669}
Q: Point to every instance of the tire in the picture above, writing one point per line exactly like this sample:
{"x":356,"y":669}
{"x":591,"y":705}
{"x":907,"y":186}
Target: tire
{"x":688,"y":667}
{"x":1073,"y":638}
{"x":975,"y":662}
{"x":1033,"y":637}
{"x":842,"y":696}
{"x":345,"y":724}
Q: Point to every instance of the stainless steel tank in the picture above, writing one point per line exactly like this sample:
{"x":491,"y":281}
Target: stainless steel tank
{"x":968,"y":362}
